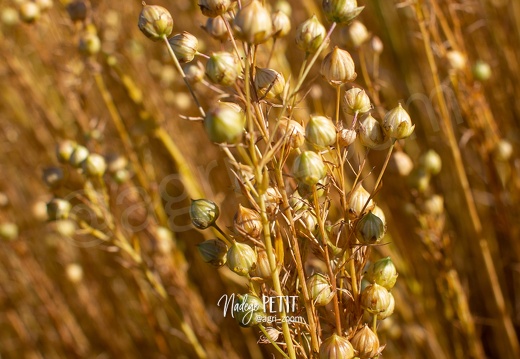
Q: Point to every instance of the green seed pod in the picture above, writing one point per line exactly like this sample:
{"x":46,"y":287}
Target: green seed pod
{"x":431,"y":162}
{"x":213,"y":251}
{"x":94,"y":165}
{"x":241,"y":258}
{"x":310,"y":34}
{"x":338,"y":67}
{"x":249,"y":311}
{"x":503,"y":151}
{"x":319,"y":289}
{"x":336,"y":347}
{"x":203,"y":213}
{"x":371,"y":134}
{"x":320,"y":131}
{"x":397,"y":123}
{"x":292,"y":133}
{"x":355,"y":101}
{"x":355,"y":35}
{"x":253,"y":23}
{"x":377,"y":211}
{"x":8,"y":231}
{"x":121,"y":176}
{"x":308,"y":168}
{"x":481,"y":71}
{"x":224,"y":123}
{"x":77,"y":10}
{"x":281,"y":24}
{"x":389,"y":310}
{"x":222,"y":68}
{"x":341,"y":11}
{"x":366,"y":343}
{"x":53,"y":176}
{"x":184,"y":46}
{"x":58,"y":209}
{"x":216,"y":28}
{"x":29,"y":12}
{"x":357,"y":200}
{"x":155,"y":22}
{"x":64,"y":150}
{"x":375,"y":299}
{"x":214,"y":8}
{"x":370,"y":229}
{"x":269,"y":83}
{"x":382,"y":272}
{"x":247,"y":222}
{"x":79,"y":155}
{"x":89,"y":44}
{"x":346,"y":137}
{"x":307,"y":191}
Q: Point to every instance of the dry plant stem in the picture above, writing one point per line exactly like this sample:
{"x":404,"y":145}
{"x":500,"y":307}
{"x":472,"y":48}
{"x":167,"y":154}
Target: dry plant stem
{"x":273,"y":342}
{"x":321,"y":224}
{"x":505,"y":322}
{"x":181,"y":71}
{"x":223,"y":234}
{"x":230,"y":32}
{"x":127,"y":143}
{"x":364,"y":70}
{"x":309,"y":305}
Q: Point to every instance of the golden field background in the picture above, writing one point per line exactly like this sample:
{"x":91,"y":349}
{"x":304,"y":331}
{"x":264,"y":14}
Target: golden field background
{"x":65,"y":294}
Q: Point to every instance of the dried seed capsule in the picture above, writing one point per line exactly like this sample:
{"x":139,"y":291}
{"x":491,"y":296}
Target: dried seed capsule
{"x":431,"y":162}
{"x":222,"y":68}
{"x":9,"y":16}
{"x":64,"y":150}
{"x":306,"y":222}
{"x":341,"y":11}
{"x":292,"y":132}
{"x":433,"y":205}
{"x":77,"y":10}
{"x":155,"y":22}
{"x":262,"y":269}
{"x":371,"y":134}
{"x":397,"y":123}
{"x":336,"y":347}
{"x":375,"y":299}
{"x":269,"y":83}
{"x":346,"y":137}
{"x":319,"y":289}
{"x":79,"y":155}
{"x":184,"y":46}
{"x":214,"y":8}
{"x":338,"y":67}
{"x":8,"y":231}
{"x":366,"y":343}
{"x":53,"y":176}
{"x":203,"y":213}
{"x":357,"y":200}
{"x":503,"y":151}
{"x":213,"y":251}
{"x":310,"y":34}
{"x":382,"y":272}
{"x":58,"y":209}
{"x":94,"y":165}
{"x":273,"y":198}
{"x":29,"y":12}
{"x":224,"y":123}
{"x":241,"y":258}
{"x":370,"y":229}
{"x":216,"y":28}
{"x":194,"y":72}
{"x":247,"y":222}
{"x":320,"y":131}
{"x":249,"y":311}
{"x":308,"y":168}
{"x":281,"y":24}
{"x":456,"y":60}
{"x":355,"y":101}
{"x":355,"y":34}
{"x":400,"y":163}
{"x":74,"y":273}
{"x":253,"y":23}
{"x":389,"y":310}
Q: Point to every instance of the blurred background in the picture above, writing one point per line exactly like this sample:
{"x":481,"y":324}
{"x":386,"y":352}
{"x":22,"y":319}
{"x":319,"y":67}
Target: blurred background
{"x":450,"y":195}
